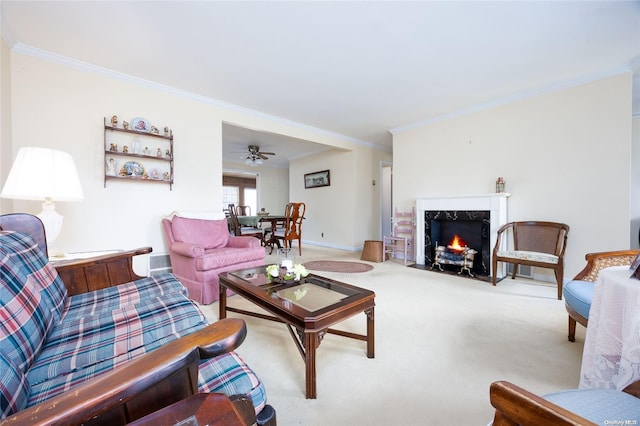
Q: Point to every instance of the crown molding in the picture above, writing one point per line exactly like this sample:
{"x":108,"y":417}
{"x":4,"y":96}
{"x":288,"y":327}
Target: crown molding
{"x":517,"y":97}
{"x":85,"y":66}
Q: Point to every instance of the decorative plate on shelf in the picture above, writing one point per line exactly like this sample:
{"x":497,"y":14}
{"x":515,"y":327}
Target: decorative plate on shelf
{"x":132,"y":168}
{"x":140,"y":124}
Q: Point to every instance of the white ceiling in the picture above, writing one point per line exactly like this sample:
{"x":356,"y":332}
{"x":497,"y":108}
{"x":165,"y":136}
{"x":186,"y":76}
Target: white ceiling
{"x":356,"y":69}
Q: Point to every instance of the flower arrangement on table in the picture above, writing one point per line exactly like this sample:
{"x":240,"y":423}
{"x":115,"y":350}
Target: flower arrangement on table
{"x":293,"y":273}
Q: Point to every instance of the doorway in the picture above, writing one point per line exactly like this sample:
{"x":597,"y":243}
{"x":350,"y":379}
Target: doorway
{"x":386,"y":198}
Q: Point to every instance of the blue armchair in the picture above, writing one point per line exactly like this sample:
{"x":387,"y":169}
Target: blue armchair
{"x":579,"y":292}
{"x":516,"y":406}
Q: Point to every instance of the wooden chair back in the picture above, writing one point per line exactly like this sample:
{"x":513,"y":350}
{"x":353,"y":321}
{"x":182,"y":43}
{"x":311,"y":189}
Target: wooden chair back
{"x":239,"y":230}
{"x":542,"y":237}
{"x":243,"y":210}
{"x":294,"y":215}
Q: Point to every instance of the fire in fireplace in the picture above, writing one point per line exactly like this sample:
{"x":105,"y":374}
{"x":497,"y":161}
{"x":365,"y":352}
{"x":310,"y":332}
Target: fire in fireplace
{"x":458,"y":241}
{"x":457,"y":253}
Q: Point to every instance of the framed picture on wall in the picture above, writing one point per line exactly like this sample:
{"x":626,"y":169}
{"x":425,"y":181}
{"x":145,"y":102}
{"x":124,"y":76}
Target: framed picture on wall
{"x":316,"y":179}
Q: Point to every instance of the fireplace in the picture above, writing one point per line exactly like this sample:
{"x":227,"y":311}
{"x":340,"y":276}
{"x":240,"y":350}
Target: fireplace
{"x":474,"y":218}
{"x":458,"y":241}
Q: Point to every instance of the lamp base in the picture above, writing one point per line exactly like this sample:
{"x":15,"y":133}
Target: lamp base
{"x":52,"y":221}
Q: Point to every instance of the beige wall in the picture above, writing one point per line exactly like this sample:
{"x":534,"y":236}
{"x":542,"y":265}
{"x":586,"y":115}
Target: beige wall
{"x":565,"y":156}
{"x":5,"y":116}
{"x":60,"y":105}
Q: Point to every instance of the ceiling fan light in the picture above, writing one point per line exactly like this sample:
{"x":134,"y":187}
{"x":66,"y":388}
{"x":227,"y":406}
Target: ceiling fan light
{"x":248,"y":161}
{"x":257,"y":161}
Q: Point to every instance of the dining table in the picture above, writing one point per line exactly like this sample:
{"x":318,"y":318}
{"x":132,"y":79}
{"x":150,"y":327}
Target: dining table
{"x":253,"y":221}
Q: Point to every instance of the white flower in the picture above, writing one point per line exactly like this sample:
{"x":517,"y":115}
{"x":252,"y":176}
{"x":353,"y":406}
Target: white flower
{"x":273,"y":270}
{"x":300,"y":270}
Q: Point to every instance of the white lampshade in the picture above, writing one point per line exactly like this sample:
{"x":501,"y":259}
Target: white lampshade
{"x":47,"y":175}
{"x":41,"y":173}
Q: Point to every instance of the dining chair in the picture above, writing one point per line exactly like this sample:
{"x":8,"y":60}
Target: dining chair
{"x":292,"y":230}
{"x":243,"y":210}
{"x":239,"y":230}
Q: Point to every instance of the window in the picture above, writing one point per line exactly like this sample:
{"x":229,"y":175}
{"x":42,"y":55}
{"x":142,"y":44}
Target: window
{"x":240,"y":191}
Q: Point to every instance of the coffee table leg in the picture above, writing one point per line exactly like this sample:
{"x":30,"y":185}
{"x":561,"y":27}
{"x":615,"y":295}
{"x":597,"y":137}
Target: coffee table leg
{"x":311,"y":344}
{"x":222,"y":298}
{"x":370,"y":333}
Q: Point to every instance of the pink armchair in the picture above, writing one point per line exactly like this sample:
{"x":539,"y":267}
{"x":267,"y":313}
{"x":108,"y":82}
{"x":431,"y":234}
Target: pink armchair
{"x":200,"y":249}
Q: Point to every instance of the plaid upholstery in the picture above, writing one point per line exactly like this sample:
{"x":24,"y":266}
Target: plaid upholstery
{"x":14,"y":389}
{"x":25,"y":315}
{"x":50,"y":342}
{"x":99,"y":343}
{"x":108,"y":299}
{"x":230,"y":375}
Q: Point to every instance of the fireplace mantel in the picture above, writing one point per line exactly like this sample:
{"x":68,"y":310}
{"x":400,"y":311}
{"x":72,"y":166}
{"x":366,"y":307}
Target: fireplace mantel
{"x":496,"y":203}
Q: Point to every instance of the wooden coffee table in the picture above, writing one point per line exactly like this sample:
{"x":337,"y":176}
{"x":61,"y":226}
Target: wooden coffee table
{"x":308,"y":308}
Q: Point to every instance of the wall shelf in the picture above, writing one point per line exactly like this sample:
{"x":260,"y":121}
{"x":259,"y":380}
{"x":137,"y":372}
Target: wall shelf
{"x":137,"y":156}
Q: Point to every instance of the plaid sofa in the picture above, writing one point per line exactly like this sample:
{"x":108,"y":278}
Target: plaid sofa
{"x":51,"y":342}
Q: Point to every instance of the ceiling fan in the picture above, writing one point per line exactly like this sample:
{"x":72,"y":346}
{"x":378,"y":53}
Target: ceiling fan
{"x":255,"y":156}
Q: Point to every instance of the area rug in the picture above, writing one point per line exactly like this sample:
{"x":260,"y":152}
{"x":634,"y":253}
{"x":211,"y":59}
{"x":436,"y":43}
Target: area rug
{"x":337,"y":266}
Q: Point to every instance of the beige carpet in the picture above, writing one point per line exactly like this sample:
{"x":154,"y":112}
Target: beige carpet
{"x":440,"y":341}
{"x":337,"y":266}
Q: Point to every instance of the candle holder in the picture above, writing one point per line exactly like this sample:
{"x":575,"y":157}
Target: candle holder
{"x":286,"y":258}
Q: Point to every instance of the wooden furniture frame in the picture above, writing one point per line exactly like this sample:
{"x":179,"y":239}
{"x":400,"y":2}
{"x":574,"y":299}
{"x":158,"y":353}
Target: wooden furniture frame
{"x":307,"y":328}
{"x":595,"y":263}
{"x":529,"y":238}
{"x":517,"y":406}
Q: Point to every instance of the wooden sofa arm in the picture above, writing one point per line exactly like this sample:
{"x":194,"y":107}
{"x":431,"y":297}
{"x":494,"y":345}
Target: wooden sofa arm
{"x":84,"y":275}
{"x":598,"y":261}
{"x":142,"y":386}
{"x":517,"y":406}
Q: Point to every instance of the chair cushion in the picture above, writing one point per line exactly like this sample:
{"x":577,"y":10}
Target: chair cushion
{"x":529,"y":255}
{"x":226,"y":256}
{"x":578,"y":295}
{"x":14,"y":389}
{"x":601,"y":406}
{"x":206,"y":233}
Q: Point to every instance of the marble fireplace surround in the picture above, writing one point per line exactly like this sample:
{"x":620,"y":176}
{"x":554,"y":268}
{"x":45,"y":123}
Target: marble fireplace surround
{"x":496,"y":204}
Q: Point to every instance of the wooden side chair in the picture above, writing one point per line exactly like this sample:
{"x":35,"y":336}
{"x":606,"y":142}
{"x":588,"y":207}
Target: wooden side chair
{"x":239,"y":230}
{"x":243,"y":210}
{"x":403,"y":235}
{"x":578,"y":293}
{"x":533,"y":243}
{"x":294,"y":214}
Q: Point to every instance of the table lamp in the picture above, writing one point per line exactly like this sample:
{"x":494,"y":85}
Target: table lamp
{"x":48,"y":175}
